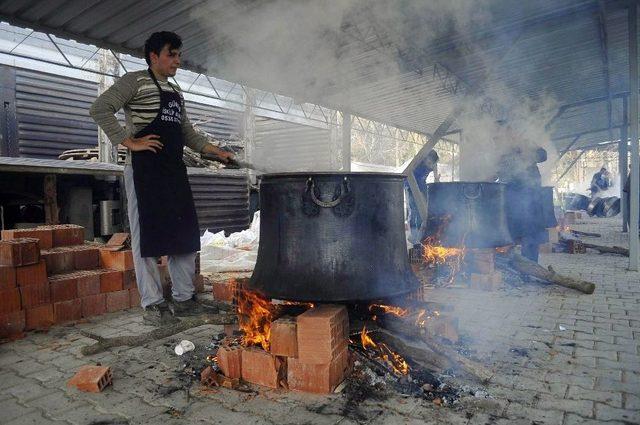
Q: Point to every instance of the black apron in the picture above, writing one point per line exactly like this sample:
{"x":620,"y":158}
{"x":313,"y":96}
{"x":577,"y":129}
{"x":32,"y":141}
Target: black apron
{"x":168,"y":220}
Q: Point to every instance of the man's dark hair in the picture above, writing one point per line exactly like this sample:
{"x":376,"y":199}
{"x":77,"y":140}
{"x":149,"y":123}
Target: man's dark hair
{"x":156,"y":42}
{"x":433,"y":156}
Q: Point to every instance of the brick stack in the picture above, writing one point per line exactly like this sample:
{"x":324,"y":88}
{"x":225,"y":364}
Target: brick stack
{"x":52,"y":277}
{"x":481,"y":264}
{"x":309,"y":353}
{"x":323,"y":354}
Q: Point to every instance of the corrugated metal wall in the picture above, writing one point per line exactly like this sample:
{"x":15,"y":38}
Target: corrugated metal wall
{"x":222,"y":199}
{"x":53,"y":115}
{"x":286,"y":146}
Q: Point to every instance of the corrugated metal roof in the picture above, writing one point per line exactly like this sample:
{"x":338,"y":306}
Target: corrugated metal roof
{"x":549,"y":46}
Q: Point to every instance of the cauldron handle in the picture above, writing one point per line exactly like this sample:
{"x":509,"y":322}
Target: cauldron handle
{"x":344,"y":191}
{"x":472,"y":196}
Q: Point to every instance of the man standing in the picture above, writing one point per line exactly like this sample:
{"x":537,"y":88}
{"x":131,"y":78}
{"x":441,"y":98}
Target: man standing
{"x":161,"y":210}
{"x":600,"y":182}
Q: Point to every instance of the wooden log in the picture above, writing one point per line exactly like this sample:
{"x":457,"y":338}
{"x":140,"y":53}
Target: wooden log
{"x":608,"y":249}
{"x":103,"y":343}
{"x":580,"y":233}
{"x":528,"y":267}
{"x":438,"y":354}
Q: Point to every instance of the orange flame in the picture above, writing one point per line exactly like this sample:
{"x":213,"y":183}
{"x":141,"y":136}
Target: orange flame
{"x":435,"y":254}
{"x":397,"y":311}
{"x":255,"y":314}
{"x":395,"y":360}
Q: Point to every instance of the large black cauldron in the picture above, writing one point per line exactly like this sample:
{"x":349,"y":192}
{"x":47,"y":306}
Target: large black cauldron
{"x":467,"y":214}
{"x":332,"y":237}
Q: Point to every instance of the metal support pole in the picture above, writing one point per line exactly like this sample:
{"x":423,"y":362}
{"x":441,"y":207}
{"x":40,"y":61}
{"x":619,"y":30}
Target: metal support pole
{"x":346,"y":141}
{"x":249,"y":130}
{"x":623,"y":163}
{"x":634,"y":217}
{"x":570,"y":166}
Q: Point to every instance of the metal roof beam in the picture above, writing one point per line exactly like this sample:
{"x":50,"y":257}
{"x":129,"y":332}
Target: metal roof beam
{"x":604,"y":47}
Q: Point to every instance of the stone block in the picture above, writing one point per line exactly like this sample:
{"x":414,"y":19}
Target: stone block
{"x":91,"y":379}
{"x":230,"y":361}
{"x":19,"y":252}
{"x":224,"y":291}
{"x":323,"y":332}
{"x":283,"y":337}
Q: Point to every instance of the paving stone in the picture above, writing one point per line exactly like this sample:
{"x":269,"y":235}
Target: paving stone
{"x":34,"y":418}
{"x":607,"y":413}
{"x":29,"y":389}
{"x":572,"y":419}
{"x":546,"y":416}
{"x":611,"y":398}
{"x":11,"y":409}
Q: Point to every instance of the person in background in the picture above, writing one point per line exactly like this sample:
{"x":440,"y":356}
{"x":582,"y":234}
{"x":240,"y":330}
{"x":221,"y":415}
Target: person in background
{"x":600,"y":182}
{"x":421,"y":173}
{"x":161,"y":210}
{"x":519,"y":170}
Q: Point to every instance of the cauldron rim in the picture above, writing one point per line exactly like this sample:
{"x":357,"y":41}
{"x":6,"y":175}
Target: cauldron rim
{"x":465,"y":182}
{"x":298,"y":174}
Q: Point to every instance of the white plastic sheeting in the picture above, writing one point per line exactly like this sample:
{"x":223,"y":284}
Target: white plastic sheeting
{"x":235,"y":253}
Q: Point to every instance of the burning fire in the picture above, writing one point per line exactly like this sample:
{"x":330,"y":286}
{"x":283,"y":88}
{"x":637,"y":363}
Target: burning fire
{"x":396,"y":311}
{"x":255,"y":314}
{"x":434,"y":254}
{"x":395,"y":360}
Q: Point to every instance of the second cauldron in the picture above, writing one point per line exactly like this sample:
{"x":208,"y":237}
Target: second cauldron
{"x":470,"y":214}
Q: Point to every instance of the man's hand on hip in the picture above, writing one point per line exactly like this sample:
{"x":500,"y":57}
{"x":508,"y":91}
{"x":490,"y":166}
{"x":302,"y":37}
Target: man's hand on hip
{"x":149,"y":142}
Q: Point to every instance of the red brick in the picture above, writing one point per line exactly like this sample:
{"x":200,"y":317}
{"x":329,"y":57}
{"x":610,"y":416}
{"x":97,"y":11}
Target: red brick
{"x":129,"y":279}
{"x":323,"y":332}
{"x":198,"y":283}
{"x":10,"y":300}
{"x":29,"y":251}
{"x":88,"y":283}
{"x":118,"y":300}
{"x":59,"y":260}
{"x":231,"y":328}
{"x":94,"y":305}
{"x":224,"y":291}
{"x":318,"y":378}
{"x":230,"y":361}
{"x":260,"y":367}
{"x":19,"y":252}
{"x":283,"y":337}
{"x":12,"y":324}
{"x":118,"y":240}
{"x":86,"y":257}
{"x":44,"y":236}
{"x":66,"y":234}
{"x":35,"y":274}
{"x":134,"y":297}
{"x":64,"y":287}
{"x":10,"y":253}
{"x":35,"y":295}
{"x":7,"y":277}
{"x":110,"y":281}
{"x":91,"y":379}
{"x":67,"y":311}
{"x":116,"y":260}
{"x":40,"y":317}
